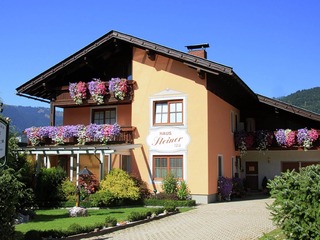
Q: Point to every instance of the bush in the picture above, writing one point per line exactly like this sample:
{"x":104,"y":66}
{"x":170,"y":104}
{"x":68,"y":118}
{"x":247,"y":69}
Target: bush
{"x":183,"y":191}
{"x":296,"y":208}
{"x":169,"y":184}
{"x":163,"y":202}
{"x":10,"y":190}
{"x":110,"y":221}
{"x":103,"y":198}
{"x":120,"y":185}
{"x":69,"y":190}
{"x":225,"y":187}
{"x":48,"y":190}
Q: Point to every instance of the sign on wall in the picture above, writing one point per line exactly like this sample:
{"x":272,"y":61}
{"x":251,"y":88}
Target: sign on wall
{"x":168,"y":139}
{"x":4,"y":131}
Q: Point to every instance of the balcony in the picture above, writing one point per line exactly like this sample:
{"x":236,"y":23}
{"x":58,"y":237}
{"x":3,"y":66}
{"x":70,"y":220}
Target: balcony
{"x":281,"y":139}
{"x":63,"y":98}
{"x":79,"y":135}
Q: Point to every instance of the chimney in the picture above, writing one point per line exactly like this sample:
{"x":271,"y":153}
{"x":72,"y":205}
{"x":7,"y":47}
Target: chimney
{"x":198,"y":50}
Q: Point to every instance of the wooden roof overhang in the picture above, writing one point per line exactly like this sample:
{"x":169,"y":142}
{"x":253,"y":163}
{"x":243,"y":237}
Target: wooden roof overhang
{"x":289,"y":108}
{"x":91,"y":60}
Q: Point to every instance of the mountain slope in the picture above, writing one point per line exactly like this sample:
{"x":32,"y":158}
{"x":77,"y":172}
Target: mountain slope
{"x":308,"y":99}
{"x":24,"y":117}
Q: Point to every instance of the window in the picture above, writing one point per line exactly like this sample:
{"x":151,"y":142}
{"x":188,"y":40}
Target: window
{"x":126,"y":163}
{"x":164,"y":165}
{"x":168,"y":112}
{"x":104,"y":116}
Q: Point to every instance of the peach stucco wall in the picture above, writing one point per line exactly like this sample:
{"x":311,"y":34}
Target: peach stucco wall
{"x":207,"y":122}
{"x":155,"y":76}
{"x":221,"y":139}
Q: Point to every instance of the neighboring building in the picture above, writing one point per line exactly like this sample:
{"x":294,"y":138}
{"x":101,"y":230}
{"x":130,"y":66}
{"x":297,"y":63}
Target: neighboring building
{"x":180,"y":116}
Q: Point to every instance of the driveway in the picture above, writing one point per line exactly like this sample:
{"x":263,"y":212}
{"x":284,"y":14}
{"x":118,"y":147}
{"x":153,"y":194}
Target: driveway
{"x":241,"y":220}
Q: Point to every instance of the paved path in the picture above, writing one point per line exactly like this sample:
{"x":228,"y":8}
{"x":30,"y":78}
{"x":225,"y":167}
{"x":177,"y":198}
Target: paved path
{"x":241,"y":220}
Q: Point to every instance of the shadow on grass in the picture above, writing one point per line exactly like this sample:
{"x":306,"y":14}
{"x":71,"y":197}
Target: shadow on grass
{"x":48,"y":217}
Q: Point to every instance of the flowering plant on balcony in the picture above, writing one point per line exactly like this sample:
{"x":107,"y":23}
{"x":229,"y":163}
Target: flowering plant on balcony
{"x":243,"y":141}
{"x":108,"y":132}
{"x":118,"y":87}
{"x":285,"y":137}
{"x":97,"y":89}
{"x":78,"y":91}
{"x":263,"y":139}
{"x":59,"y":134}
{"x":306,"y":137}
{"x":33,"y":135}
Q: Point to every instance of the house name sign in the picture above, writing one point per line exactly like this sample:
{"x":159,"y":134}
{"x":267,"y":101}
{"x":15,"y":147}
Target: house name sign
{"x":4,"y":131}
{"x":168,"y":139}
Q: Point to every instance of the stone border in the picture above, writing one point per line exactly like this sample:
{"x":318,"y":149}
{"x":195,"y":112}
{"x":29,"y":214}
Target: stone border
{"x":119,"y":227}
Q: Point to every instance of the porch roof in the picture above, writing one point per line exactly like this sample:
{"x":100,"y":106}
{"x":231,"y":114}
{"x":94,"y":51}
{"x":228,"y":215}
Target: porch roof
{"x":81,"y":149}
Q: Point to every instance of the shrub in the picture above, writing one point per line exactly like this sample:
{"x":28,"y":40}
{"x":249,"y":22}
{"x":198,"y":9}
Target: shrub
{"x":69,"y":190}
{"x":163,"y":202}
{"x":136,"y":216}
{"x":103,"y":198}
{"x":110,"y":221}
{"x":296,"y":205}
{"x":143,"y":187}
{"x":183,"y":191}
{"x":225,"y":187}
{"x":10,"y":190}
{"x":169,"y":184}
{"x":120,"y":184}
{"x":48,"y":189}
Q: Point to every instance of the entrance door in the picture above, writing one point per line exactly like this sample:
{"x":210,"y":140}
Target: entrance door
{"x":252,"y":180}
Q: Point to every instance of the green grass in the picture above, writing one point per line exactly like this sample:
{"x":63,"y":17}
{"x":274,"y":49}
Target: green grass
{"x":58,"y":219}
{"x":274,"y":235}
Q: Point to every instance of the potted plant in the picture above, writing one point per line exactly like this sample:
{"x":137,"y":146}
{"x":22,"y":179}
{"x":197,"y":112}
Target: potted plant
{"x":78,"y":91}
{"x":97,"y":90}
{"x":118,"y":87}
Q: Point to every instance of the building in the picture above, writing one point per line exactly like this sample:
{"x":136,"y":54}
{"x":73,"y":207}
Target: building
{"x":180,"y":115}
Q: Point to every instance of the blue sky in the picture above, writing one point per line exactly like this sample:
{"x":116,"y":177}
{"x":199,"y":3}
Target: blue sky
{"x":274,"y":46}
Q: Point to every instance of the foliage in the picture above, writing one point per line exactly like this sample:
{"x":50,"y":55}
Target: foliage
{"x":120,"y":184}
{"x":296,"y":208}
{"x":142,"y":185}
{"x":103,"y":198}
{"x":110,"y":221}
{"x":88,"y":184}
{"x":170,"y":184}
{"x":10,"y":191}
{"x":69,"y":190}
{"x":183,"y":190}
{"x":163,"y":202}
{"x":225,"y":187}
{"x":48,"y":190}
{"x":58,"y":224}
{"x":308,"y":99}
{"x":237,"y":187}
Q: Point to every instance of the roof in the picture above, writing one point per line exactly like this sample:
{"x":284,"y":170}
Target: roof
{"x":38,"y":88}
{"x":289,"y":108}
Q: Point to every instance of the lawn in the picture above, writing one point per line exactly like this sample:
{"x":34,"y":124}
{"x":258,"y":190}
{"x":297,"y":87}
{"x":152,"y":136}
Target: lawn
{"x":58,"y":219}
{"x":274,"y":235}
